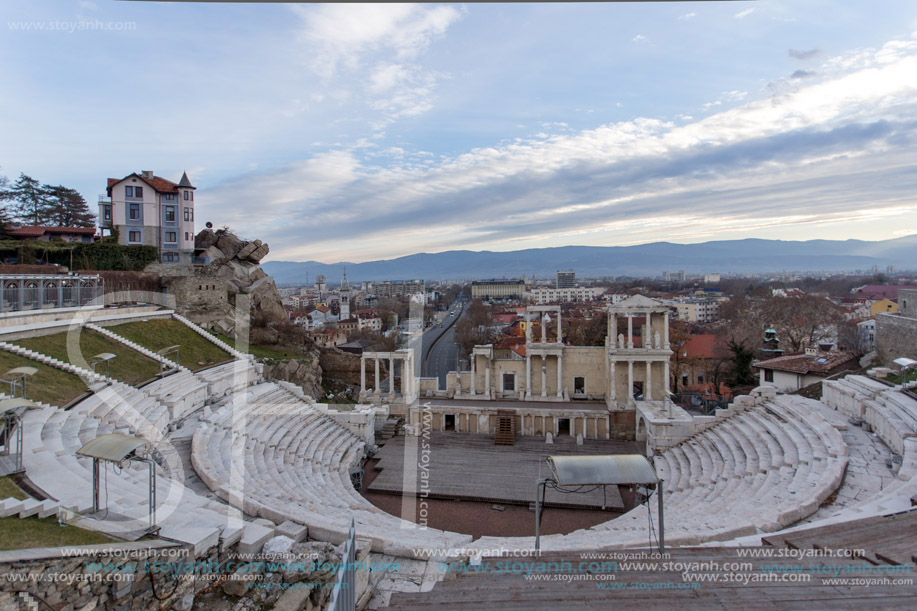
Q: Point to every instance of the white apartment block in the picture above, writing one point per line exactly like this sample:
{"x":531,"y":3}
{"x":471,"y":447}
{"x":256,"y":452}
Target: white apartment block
{"x":152,"y":211}
{"x":697,"y":310}
{"x":545,"y":295}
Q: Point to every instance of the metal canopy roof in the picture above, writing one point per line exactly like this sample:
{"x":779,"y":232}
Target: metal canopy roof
{"x":114,"y":447}
{"x":104,"y":356}
{"x":904,"y":362}
{"x":168,"y":349}
{"x":29,"y":371}
{"x":13,"y":404}
{"x":599,"y":470}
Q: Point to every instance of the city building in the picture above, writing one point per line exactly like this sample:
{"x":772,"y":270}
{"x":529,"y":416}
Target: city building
{"x":566,"y":279}
{"x":398,"y":288}
{"x":544,"y":295}
{"x":697,"y":310}
{"x":792,"y":372}
{"x":497,"y":289}
{"x":146,"y":209}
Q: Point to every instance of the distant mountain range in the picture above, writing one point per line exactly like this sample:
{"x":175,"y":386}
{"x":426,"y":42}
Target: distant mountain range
{"x":728,"y":256}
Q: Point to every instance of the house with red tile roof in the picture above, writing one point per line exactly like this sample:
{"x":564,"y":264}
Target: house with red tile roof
{"x":42,"y":233}
{"x":150,"y":210}
{"x":791,"y":372}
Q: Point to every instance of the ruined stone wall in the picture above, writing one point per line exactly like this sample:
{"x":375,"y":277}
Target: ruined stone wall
{"x":896,"y":335}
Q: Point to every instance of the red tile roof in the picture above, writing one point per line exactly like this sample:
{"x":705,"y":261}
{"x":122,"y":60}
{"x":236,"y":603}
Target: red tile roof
{"x":158,"y":183}
{"x":822,"y":363}
{"x":701,"y":346}
{"x":36,"y":231}
{"x":883,"y":291}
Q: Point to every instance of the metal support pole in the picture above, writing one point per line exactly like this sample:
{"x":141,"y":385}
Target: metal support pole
{"x":661,"y":517}
{"x":152,"y":466}
{"x":19,"y":467}
{"x":95,"y":485}
{"x":539,"y":486}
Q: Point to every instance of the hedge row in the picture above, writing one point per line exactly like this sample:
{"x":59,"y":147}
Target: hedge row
{"x":101,"y":255}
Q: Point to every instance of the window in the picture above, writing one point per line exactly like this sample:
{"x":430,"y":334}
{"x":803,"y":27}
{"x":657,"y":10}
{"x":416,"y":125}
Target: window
{"x":170,"y":214}
{"x":106,"y":213}
{"x":171,"y":236}
{"x":170,"y":257}
{"x":133,"y":236}
{"x":700,"y":378}
{"x":186,"y":195}
{"x":684,"y":379}
{"x":192,"y":195}
{"x":768,"y":375}
{"x":128,"y":191}
{"x":134,"y":212}
{"x":186,"y":236}
{"x":138,"y":191}
{"x":187,"y":213}
{"x":579,"y":385}
{"x":169,"y":197}
{"x":509,"y":382}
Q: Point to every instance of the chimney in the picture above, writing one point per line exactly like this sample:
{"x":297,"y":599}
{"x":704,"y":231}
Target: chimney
{"x":148,"y":174}
{"x":811,"y":351}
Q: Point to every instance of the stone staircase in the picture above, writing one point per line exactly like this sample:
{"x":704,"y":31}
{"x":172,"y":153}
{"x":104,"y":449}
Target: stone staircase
{"x":211,"y":338}
{"x":29,"y":507}
{"x":135,"y":346}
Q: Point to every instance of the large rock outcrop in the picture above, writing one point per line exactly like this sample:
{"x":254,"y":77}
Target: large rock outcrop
{"x":232,"y":285}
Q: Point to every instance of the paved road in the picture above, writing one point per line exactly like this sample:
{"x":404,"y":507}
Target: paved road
{"x":439,"y":357}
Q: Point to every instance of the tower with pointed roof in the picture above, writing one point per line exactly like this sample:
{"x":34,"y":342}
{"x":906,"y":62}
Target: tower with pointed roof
{"x":150,"y":210}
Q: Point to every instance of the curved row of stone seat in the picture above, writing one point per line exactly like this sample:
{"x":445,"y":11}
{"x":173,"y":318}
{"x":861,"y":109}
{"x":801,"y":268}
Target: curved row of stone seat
{"x":888,"y":411}
{"x":230,"y":377}
{"x":88,"y":376}
{"x":211,"y":338}
{"x":278,"y":457}
{"x":892,"y":415}
{"x":181,"y":391}
{"x":51,"y":438}
{"x":761,"y":469}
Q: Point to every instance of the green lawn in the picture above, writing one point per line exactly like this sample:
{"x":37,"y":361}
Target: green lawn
{"x":49,"y":385}
{"x":264,"y":352}
{"x":16,"y":533}
{"x":129,"y":366}
{"x":195,"y":352}
{"x":26,"y":533}
{"x":10,"y":490}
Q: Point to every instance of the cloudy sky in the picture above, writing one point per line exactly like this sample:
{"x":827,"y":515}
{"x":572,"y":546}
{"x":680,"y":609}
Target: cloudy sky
{"x":357,"y":132}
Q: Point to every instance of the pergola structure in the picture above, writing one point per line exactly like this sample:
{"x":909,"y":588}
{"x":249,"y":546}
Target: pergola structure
{"x":11,"y":411}
{"x":17,"y":377}
{"x":20,"y":292}
{"x":171,"y":353}
{"x":574,"y":472}
{"x":116,"y":448}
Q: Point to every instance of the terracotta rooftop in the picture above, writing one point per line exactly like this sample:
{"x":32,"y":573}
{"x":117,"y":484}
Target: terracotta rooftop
{"x":822,"y":363}
{"x":36,"y":231}
{"x":701,"y":346}
{"x":162,"y":185}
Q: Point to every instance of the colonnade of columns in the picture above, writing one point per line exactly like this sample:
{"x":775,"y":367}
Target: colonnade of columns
{"x":407,"y":372}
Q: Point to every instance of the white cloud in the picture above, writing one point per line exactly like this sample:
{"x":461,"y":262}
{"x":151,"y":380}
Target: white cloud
{"x":828,"y":146}
{"x":687,"y":16}
{"x":640,"y":38}
{"x":745,"y":13}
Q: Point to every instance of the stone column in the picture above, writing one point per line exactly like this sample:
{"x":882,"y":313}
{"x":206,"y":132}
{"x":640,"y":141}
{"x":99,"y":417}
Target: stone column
{"x":560,"y":336}
{"x":528,"y":374}
{"x":612,"y":330}
{"x":648,"y":340}
{"x":560,"y":376}
{"x":630,"y":331}
{"x":528,"y":327}
{"x":544,"y":375}
{"x":391,"y":376}
{"x":474,"y":358}
{"x":362,"y":375}
{"x":487,"y":380}
{"x":667,"y":383}
{"x":544,"y":329}
{"x":377,"y":386}
{"x":648,"y":387}
{"x":614,"y":383}
{"x":665,"y":335}
{"x":630,"y":381}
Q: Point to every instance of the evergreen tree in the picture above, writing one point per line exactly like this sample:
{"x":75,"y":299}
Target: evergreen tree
{"x":5,"y":221}
{"x":29,"y":201}
{"x":65,"y":207}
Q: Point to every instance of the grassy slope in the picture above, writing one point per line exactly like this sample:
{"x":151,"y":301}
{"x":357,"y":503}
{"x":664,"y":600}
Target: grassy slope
{"x":32,"y":532}
{"x":195,"y":352}
{"x":49,"y":385}
{"x":130,"y":366}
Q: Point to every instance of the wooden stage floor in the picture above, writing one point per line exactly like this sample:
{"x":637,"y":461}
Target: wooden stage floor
{"x":470,"y":467}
